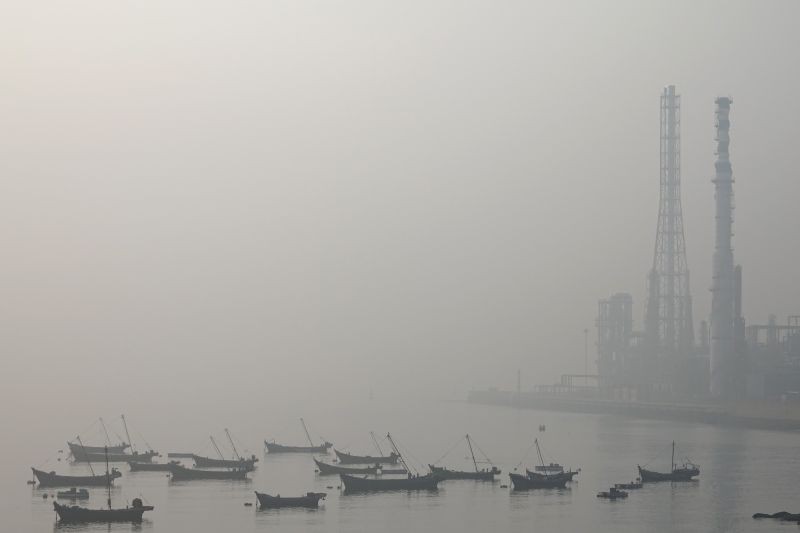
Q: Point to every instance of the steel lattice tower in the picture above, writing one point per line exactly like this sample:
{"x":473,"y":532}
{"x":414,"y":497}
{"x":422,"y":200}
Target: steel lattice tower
{"x":668,"y":321}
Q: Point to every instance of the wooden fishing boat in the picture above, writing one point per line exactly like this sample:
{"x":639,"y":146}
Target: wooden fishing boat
{"x":683,"y":473}
{"x":73,"y":494}
{"x":520,"y":482}
{"x":90,"y":457}
{"x":612,"y":494}
{"x":51,"y":479}
{"x":569,"y":474}
{"x":365,"y":484}
{"x":310,"y":500}
{"x":75,"y":514}
{"x":478,"y":474}
{"x":210,"y":462}
{"x":633,"y":485}
{"x":327,"y":469}
{"x":181,"y":473}
{"x":149,"y":467}
{"x":77,"y":448}
{"x":350,"y":459}
{"x":273,"y":447}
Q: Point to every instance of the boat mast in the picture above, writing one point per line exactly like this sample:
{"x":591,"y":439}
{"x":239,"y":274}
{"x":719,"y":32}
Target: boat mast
{"x":375,"y":441}
{"x":673,"y":455}
{"x":539,"y":451}
{"x":216,"y":447}
{"x":397,"y":451}
{"x":88,"y":460}
{"x":306,"y":430}
{"x":108,"y":480}
{"x":235,"y":451}
{"x":472,"y":453}
{"x":125,"y":425}
{"x":108,"y":441}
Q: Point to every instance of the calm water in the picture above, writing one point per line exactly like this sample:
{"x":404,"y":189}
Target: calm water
{"x":743,"y":472}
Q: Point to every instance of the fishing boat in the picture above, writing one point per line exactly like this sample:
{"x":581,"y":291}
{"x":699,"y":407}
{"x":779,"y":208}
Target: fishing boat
{"x":327,"y":469}
{"x":633,"y":485}
{"x":150,"y":467}
{"x":51,"y":479}
{"x":181,"y":473}
{"x":479,"y":474}
{"x":273,"y":447}
{"x":350,"y":459}
{"x":569,"y":474}
{"x":238,"y":461}
{"x":73,"y":513}
{"x":75,"y":448}
{"x":683,"y":473}
{"x":520,"y":482}
{"x":613,"y":494}
{"x":365,"y":484}
{"x":408,"y":482}
{"x":136,"y":457}
{"x":552,"y":468}
{"x":310,"y":500}
{"x":73,"y":494}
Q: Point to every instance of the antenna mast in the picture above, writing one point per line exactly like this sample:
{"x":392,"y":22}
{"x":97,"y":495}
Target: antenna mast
{"x":397,"y":451}
{"x":216,"y":447}
{"x":235,"y":451}
{"x":306,"y":430}
{"x":374,"y":440}
{"x":472,"y":453}
{"x":125,"y":425}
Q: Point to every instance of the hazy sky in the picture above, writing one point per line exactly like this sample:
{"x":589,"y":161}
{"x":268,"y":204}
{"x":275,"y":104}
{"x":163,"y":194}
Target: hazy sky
{"x":279,"y":197}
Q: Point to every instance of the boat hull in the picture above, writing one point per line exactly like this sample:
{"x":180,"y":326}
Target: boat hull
{"x":273,"y":447}
{"x":181,"y":473}
{"x":326,"y":469}
{"x":75,"y":514}
{"x":538,"y":475}
{"x":362,"y":484}
{"x":520,"y":482}
{"x":678,"y":474}
{"x":77,"y":448}
{"x":210,"y":462}
{"x":445,"y":474}
{"x":148,"y":467}
{"x":350,"y":459}
{"x":86,"y":457}
{"x":310,"y":500}
{"x":51,"y":479}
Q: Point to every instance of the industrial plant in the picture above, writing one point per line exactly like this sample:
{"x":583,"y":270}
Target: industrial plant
{"x":668,"y":361}
{"x":665,"y":360}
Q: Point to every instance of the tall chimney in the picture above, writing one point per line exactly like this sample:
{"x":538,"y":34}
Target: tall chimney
{"x":723,"y":286}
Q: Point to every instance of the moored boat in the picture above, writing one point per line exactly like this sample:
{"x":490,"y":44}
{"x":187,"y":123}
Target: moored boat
{"x":181,"y":473}
{"x":350,"y":459}
{"x":569,"y":474}
{"x":686,"y":472}
{"x":91,"y":457}
{"x":612,"y":494}
{"x":520,"y":482}
{"x":75,"y":514}
{"x":478,"y":474}
{"x":365,"y":484}
{"x":633,"y":485}
{"x":211,"y":462}
{"x":149,"y":467}
{"x":310,"y":500}
{"x":327,"y":469}
{"x":51,"y":479}
{"x":273,"y":447}
{"x":73,"y":494}
{"x":117,"y":448}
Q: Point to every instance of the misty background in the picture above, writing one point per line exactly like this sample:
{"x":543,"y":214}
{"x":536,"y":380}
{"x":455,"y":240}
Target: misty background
{"x":253,"y":202}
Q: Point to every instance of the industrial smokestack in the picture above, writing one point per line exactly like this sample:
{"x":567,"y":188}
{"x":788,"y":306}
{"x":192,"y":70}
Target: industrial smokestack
{"x":723,"y":286}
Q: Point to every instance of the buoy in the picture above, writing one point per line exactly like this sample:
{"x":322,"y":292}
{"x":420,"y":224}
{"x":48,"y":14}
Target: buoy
{"x":44,"y":496}
{"x":248,"y":504}
{"x":503,"y":486}
{"x":329,"y":487}
{"x":316,"y":471}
